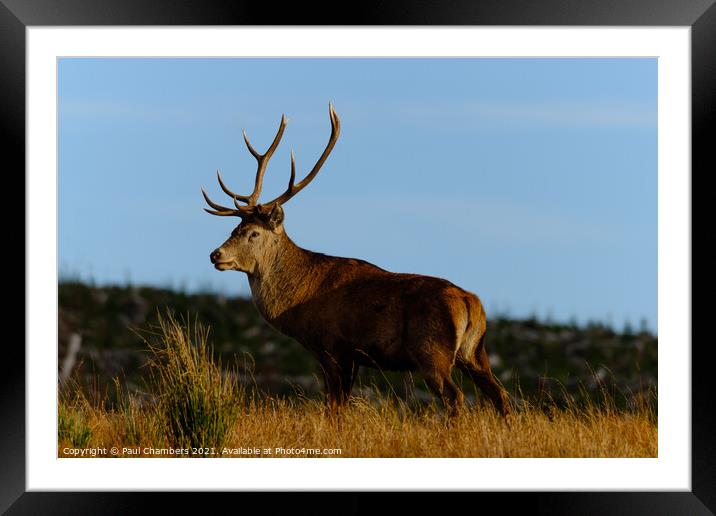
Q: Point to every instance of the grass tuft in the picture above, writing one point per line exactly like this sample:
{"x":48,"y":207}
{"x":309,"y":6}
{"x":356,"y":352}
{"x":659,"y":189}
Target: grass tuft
{"x":197,"y":403}
{"x":73,"y":426}
{"x":193,"y":403}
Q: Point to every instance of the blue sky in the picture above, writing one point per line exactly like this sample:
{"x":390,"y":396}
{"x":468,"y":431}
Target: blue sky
{"x":531,"y":182}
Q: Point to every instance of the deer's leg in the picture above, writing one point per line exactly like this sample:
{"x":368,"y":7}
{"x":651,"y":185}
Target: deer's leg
{"x":330,"y":382}
{"x":481,"y":375}
{"x":339,"y":374}
{"x":348,"y":375}
{"x":436,"y":367}
{"x":445,"y":389}
{"x":453,"y":398}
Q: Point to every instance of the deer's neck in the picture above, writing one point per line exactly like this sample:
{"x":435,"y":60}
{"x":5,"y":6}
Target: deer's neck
{"x":284,"y":279}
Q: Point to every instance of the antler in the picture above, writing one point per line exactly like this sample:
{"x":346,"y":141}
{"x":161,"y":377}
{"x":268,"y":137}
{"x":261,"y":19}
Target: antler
{"x":262,"y":159}
{"x":293,"y":189}
{"x":250,"y":200}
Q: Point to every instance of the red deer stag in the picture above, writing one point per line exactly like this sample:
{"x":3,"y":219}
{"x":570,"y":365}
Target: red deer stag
{"x":348,"y":312}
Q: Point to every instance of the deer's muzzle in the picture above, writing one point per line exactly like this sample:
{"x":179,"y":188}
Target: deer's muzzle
{"x":215,"y":256}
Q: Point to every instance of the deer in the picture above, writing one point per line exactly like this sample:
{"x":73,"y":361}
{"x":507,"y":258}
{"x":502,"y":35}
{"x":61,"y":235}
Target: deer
{"x":348,"y":312}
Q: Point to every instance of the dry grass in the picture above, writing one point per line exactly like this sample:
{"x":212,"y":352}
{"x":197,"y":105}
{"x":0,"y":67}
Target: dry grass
{"x":366,"y":430}
{"x":197,"y":408}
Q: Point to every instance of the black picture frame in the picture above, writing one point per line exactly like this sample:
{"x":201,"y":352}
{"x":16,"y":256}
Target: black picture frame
{"x":17,"y":15}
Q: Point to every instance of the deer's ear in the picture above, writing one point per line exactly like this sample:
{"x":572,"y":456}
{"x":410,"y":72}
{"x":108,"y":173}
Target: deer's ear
{"x":275,"y":217}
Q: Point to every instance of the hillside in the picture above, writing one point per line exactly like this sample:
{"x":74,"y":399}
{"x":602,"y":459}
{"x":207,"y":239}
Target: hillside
{"x":535,"y":360}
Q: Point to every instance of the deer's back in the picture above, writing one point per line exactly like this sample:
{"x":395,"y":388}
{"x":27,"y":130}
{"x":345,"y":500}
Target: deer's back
{"x":383,"y":315}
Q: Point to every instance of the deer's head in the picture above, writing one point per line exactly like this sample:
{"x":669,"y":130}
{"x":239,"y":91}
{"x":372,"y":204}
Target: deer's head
{"x":259,"y":234}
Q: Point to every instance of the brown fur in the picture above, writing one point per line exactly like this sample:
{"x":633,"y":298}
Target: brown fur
{"x":350,"y":313}
{"x":347,"y":312}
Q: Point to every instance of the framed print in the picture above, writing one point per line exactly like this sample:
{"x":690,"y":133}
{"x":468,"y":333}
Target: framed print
{"x":540,"y":159}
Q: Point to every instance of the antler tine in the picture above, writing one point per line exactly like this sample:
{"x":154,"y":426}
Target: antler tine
{"x":229,"y":192}
{"x":293,"y":189}
{"x":248,"y":144}
{"x":218,"y":208}
{"x":262,"y":162}
{"x":293,"y":170}
{"x":232,"y":213}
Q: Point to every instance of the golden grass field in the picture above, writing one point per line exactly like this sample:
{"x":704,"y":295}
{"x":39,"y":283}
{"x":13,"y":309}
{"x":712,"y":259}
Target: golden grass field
{"x":197,"y":408}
